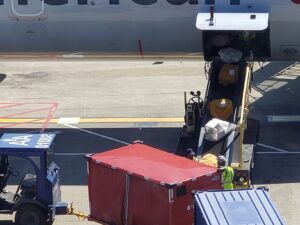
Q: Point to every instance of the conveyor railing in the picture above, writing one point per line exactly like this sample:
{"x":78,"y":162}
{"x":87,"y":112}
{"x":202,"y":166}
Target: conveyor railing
{"x":244,"y":110}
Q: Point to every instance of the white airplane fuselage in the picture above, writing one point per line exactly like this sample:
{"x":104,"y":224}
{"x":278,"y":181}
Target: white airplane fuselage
{"x":126,"y":27}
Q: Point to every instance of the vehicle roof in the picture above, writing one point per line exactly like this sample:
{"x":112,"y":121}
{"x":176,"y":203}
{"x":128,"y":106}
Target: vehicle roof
{"x":153,"y":164}
{"x":16,"y":142}
{"x":250,"y":206}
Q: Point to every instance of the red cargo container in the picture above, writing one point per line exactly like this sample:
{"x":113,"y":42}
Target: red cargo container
{"x":141,"y":185}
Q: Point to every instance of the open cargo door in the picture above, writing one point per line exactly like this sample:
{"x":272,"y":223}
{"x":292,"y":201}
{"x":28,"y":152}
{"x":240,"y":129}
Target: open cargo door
{"x":243,"y":25}
{"x":228,"y":15}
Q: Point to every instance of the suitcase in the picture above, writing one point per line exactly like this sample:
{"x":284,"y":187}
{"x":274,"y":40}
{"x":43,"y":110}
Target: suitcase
{"x":228,"y":74}
{"x":209,"y":159}
{"x":217,"y":111}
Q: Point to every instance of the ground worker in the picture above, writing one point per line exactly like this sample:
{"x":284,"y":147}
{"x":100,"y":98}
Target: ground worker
{"x":190,"y":154}
{"x":3,"y":172}
{"x":227,"y":173}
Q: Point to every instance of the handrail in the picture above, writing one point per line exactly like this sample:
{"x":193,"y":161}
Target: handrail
{"x":30,"y":16}
{"x":244,"y":110}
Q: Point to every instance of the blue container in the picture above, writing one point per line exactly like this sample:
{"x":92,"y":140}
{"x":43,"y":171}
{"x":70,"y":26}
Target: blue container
{"x":236,"y":207}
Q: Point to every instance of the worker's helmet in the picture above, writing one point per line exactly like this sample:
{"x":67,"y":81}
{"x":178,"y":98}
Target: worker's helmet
{"x":221,"y":161}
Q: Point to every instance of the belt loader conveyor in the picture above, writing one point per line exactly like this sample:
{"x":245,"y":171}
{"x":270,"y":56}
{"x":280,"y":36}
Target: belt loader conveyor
{"x":239,"y":145}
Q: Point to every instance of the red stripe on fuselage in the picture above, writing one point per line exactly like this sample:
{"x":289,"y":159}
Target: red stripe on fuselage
{"x":296,"y":1}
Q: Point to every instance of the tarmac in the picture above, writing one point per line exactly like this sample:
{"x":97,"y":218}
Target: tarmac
{"x":94,"y":106}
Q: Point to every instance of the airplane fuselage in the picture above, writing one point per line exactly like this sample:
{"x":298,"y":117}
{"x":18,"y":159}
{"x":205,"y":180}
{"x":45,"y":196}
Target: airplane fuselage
{"x":127,"y":27}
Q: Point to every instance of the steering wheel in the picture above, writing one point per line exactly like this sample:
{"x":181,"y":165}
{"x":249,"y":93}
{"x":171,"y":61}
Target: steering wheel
{"x":17,"y":196}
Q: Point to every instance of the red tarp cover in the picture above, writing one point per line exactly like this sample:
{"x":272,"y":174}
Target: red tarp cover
{"x":154,"y":164}
{"x":109,"y":203}
{"x":119,"y":193}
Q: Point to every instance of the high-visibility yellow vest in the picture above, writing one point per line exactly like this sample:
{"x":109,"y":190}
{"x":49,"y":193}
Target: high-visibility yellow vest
{"x":228,"y":175}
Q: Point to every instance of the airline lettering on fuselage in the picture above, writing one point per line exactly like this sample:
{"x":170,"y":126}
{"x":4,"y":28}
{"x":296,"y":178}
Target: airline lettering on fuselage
{"x":110,"y":2}
{"x":173,"y":2}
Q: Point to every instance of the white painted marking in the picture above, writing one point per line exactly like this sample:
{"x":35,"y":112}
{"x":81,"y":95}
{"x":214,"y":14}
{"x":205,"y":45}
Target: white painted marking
{"x":68,"y":120}
{"x":96,"y":134}
{"x":72,"y":56}
{"x":283,"y":118}
{"x":33,"y":131}
{"x":278,"y":153}
{"x":273,"y":148}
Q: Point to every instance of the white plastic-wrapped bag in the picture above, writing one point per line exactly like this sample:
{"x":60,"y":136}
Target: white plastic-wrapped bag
{"x":230,"y":55}
{"x":216,"y":129}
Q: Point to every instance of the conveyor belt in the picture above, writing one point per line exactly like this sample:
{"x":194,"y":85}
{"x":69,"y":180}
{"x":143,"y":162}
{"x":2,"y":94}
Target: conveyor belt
{"x":234,"y":92}
{"x":239,"y":145}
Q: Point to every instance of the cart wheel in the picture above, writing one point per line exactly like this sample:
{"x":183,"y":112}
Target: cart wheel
{"x":30,"y":215}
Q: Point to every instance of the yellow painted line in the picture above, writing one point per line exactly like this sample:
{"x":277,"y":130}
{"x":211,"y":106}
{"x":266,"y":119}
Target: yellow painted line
{"x":25,"y":120}
{"x":96,"y":120}
{"x":131,"y":120}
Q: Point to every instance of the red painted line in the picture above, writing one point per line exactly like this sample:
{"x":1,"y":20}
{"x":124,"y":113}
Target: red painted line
{"x":26,"y":112}
{"x":9,"y":105}
{"x":296,"y":1}
{"x":141,"y":48}
{"x":41,"y":103}
{"x":50,"y":110}
{"x":49,"y":117}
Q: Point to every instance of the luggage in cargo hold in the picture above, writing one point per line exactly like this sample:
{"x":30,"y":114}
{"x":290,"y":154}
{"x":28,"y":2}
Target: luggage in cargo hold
{"x":141,"y":185}
{"x":230,"y":55}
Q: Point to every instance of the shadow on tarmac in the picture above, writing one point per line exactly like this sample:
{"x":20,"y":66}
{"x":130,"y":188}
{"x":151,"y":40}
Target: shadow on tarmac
{"x":278,"y":84}
{"x":2,"y":77}
{"x":6,"y":222}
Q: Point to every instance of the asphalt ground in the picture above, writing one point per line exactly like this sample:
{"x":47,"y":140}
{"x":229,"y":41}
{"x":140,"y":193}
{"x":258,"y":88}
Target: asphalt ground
{"x":150,"y":93}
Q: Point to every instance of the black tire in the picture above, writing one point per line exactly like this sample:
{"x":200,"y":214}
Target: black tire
{"x":30,"y":215}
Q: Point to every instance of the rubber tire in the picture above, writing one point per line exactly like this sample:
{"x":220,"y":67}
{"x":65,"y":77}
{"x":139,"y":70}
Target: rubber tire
{"x":30,"y":215}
